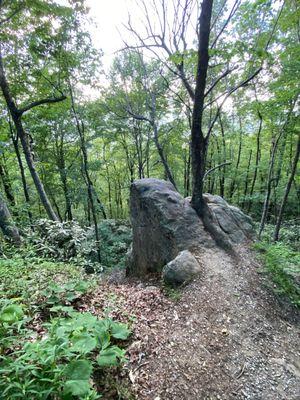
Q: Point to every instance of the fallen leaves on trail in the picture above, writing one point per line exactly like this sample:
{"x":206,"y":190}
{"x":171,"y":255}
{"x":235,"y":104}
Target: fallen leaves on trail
{"x":145,"y":308}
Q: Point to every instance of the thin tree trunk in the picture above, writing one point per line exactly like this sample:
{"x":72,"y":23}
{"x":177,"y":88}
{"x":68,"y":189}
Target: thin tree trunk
{"x":63,"y":177}
{"x":68,"y":211}
{"x":247,"y":179}
{"x":22,"y":172}
{"x":223,"y":160}
{"x":233,"y":182}
{"x":287,"y":191}
{"x":16,"y":115}
{"x":90,"y":188}
{"x":257,"y":159}
{"x":270,"y":172}
{"x":7,"y":225}
{"x":160,"y":151}
{"x":7,"y":185}
{"x":187,"y":171}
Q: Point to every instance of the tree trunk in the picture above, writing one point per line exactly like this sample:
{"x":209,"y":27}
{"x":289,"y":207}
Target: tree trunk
{"x":64,"y":181}
{"x":257,"y":158}
{"x":199,"y":142}
{"x":223,"y":160}
{"x":7,"y":185}
{"x":233,"y":182}
{"x":22,"y":172}
{"x":6,"y":224}
{"x":287,"y":191}
{"x":17,"y":120}
{"x":247,"y":178}
{"x":160,"y":151}
{"x":90,"y":188}
{"x":270,"y":172}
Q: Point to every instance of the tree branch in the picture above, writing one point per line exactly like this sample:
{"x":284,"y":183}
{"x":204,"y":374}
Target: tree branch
{"x":41,"y":102}
{"x":9,"y":17}
{"x":217,"y":80}
{"x":138,"y":117}
{"x":216,"y":167}
{"x":241,"y":84}
{"x":232,"y":12}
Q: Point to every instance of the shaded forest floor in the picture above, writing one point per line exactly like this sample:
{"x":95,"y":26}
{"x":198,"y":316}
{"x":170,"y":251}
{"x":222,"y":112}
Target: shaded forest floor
{"x":225,"y":336}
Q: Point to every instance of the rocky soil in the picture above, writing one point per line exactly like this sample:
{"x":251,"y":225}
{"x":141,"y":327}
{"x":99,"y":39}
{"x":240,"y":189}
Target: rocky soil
{"x":227,"y":337}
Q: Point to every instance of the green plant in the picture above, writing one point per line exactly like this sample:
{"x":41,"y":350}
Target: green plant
{"x":173,"y":294}
{"x":282,"y":265}
{"x":25,"y":276}
{"x":55,"y":295}
{"x":62,"y":363}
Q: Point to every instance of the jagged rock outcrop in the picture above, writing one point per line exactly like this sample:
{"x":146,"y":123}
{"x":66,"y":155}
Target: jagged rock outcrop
{"x":181,"y":270}
{"x":164,"y":224}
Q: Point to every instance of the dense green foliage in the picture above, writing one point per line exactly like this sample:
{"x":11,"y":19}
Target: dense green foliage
{"x":74,"y":137}
{"x":282,"y":266}
{"x":120,"y":147}
{"x":47,"y":348}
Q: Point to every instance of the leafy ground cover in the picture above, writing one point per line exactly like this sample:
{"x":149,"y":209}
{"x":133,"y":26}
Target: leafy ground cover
{"x":282,"y":267}
{"x":281,"y":261}
{"x":51,"y":348}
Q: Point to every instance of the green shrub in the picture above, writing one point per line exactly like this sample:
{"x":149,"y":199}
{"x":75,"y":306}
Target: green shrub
{"x":62,"y":363}
{"x":282,"y":264}
{"x":25,"y":276}
{"x":116,"y":237}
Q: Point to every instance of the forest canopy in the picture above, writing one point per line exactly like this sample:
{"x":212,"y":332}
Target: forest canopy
{"x":74,"y":136}
{"x":185,"y":285}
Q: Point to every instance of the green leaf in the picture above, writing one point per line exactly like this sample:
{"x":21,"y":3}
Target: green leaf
{"x":83,"y":343}
{"x":77,"y":387}
{"x":102,"y":332}
{"x":70,"y":296}
{"x":79,"y":370}
{"x":110,"y":357}
{"x":11,"y":313}
{"x":120,"y":331}
{"x":82,"y":286}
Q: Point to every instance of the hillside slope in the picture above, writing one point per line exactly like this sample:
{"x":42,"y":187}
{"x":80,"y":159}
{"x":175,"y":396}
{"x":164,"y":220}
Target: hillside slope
{"x":226,"y":338}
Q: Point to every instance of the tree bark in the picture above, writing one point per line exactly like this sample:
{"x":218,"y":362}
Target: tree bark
{"x":160,"y":151}
{"x":16,"y":116}
{"x":270,"y":172}
{"x":22,"y":172}
{"x":257,"y":158}
{"x":7,"y":185}
{"x":199,"y":142}
{"x":7,"y":225}
{"x":287,"y":191}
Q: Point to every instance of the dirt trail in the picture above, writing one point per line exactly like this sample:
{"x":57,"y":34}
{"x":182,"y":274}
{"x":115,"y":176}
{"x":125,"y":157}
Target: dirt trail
{"x":226,"y":338}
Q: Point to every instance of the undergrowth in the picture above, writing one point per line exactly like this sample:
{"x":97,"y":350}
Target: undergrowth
{"x":282,"y":266}
{"x":49,"y":348}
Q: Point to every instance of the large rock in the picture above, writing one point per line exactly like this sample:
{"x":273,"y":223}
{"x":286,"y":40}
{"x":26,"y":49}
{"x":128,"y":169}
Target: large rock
{"x":231,"y":220}
{"x":181,"y":270}
{"x":163,"y":224}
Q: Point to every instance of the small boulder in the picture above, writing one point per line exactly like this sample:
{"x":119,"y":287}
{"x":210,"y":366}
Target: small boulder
{"x":181,"y":270}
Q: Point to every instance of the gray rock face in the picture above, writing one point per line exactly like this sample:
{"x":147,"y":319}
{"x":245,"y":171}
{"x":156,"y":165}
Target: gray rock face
{"x":181,"y":270}
{"x":163,"y":224}
{"x":231,"y":220}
